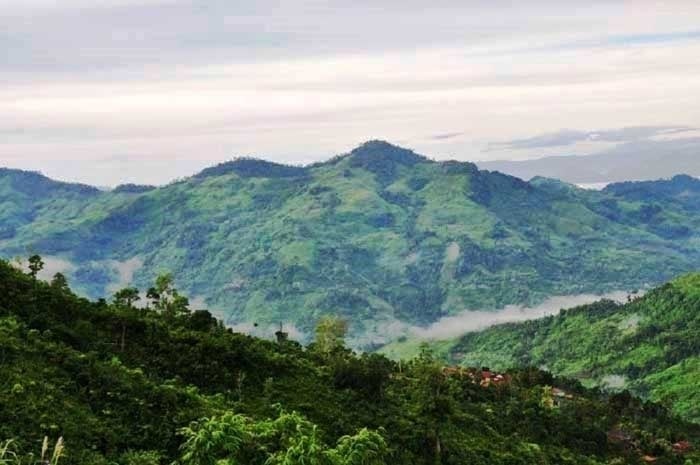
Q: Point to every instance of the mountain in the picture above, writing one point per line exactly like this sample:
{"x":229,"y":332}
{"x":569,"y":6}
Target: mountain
{"x":640,"y":160}
{"x":148,"y":386}
{"x":649,"y":345}
{"x":378,"y":235}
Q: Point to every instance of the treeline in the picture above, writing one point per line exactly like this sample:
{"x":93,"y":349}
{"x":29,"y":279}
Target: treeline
{"x":143,"y":380}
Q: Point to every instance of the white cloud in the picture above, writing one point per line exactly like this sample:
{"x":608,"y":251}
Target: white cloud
{"x":154,"y":82}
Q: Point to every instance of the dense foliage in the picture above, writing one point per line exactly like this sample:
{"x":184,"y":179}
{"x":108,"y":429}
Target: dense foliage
{"x":376,"y":235}
{"x":162,"y":384}
{"x":649,"y":345}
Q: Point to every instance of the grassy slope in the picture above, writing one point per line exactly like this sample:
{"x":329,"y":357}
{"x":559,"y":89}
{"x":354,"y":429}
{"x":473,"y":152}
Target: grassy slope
{"x":649,"y":345}
{"x":379,"y":232}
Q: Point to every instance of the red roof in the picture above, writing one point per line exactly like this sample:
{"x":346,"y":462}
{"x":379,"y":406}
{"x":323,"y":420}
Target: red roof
{"x":682,"y":447}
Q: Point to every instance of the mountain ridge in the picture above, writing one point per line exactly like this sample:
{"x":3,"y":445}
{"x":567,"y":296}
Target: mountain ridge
{"x":364,"y":154}
{"x":375,"y":235}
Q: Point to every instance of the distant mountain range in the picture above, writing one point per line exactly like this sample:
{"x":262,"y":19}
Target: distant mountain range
{"x":640,"y":160}
{"x":376,"y":235}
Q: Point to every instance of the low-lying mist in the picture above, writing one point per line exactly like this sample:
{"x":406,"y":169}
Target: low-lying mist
{"x":468,"y":321}
{"x":452,"y":326}
{"x":388,"y":329}
{"x":378,"y":332}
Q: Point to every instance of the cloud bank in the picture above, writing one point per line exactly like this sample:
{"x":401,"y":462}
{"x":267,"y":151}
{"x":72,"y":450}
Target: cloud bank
{"x":145,"y":91}
{"x":469,"y":321}
{"x":390,"y":329}
{"x":567,"y":137}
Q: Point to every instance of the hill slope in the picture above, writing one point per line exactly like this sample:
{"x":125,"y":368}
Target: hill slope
{"x":122,"y":386}
{"x":376,"y":235}
{"x":649,"y":345}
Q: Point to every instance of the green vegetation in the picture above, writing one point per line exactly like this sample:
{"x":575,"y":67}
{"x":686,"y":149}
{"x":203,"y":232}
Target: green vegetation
{"x":162,"y":384}
{"x":649,"y":345}
{"x":287,"y":440}
{"x":378,"y":234}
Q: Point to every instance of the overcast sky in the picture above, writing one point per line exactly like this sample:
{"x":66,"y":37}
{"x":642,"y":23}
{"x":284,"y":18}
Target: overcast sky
{"x":111,"y":91}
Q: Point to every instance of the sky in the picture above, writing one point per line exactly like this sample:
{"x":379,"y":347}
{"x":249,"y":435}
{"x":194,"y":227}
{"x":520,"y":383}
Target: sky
{"x":146,"y":91}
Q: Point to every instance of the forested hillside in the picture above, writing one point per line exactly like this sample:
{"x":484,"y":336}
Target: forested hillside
{"x":162,"y":385}
{"x":649,"y":345}
{"x":377,"y":235}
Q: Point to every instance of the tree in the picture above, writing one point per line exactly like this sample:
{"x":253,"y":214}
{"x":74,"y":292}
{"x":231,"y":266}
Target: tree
{"x":364,"y":448}
{"x":60,"y":282}
{"x":166,"y":299}
{"x":124,"y":300}
{"x":126,"y":297}
{"x":289,"y":439}
{"x":36,"y":264}
{"x":304,"y":447}
{"x":330,"y":334}
{"x":210,"y":440}
{"x":432,"y":399}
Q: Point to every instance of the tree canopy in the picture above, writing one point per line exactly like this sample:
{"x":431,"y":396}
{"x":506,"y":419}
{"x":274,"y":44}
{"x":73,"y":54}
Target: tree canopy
{"x":147,"y":386}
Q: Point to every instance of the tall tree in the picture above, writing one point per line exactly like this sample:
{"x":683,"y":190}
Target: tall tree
{"x":166,"y":299}
{"x":431,"y":399}
{"x":36,"y":264}
{"x":60,"y":282}
{"x":330,"y":334}
{"x":126,"y":297}
{"x":124,"y":300}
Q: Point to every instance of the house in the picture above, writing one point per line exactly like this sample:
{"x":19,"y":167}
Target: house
{"x":682,"y":447}
{"x":560,"y":395}
{"x":502,"y":378}
{"x":489,"y":378}
{"x":484,"y":377}
{"x":622,"y":437}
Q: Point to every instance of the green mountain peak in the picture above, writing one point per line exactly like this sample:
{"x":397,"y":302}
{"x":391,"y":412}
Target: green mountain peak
{"x":378,"y":234}
{"x":36,"y":184}
{"x":252,"y":168}
{"x":379,"y":149}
